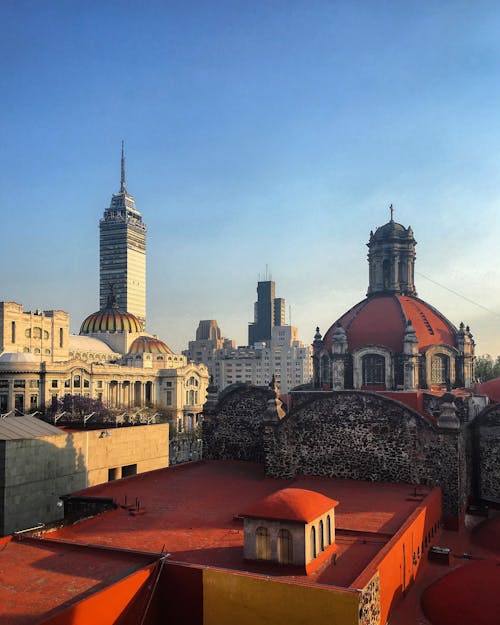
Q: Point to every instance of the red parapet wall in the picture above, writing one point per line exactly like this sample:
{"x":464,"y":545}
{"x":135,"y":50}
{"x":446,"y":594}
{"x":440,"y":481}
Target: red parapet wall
{"x":398,"y":562}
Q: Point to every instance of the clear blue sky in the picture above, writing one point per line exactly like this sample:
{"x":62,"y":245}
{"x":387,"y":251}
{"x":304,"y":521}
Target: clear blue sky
{"x":256,"y":133}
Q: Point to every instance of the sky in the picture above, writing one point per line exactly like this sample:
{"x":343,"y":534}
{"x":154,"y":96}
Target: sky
{"x":256,"y":133}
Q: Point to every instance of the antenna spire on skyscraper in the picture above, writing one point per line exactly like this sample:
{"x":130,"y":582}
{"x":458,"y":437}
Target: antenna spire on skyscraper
{"x":123,"y":188}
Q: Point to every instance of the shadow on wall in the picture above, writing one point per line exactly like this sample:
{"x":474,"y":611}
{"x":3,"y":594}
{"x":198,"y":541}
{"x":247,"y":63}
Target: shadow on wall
{"x":35,"y":473}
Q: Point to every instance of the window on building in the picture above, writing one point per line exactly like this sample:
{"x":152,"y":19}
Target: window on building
{"x":328,"y":530}
{"x":112,"y":474}
{"x":86,"y":383}
{"x":61,"y":337}
{"x":33,"y":402}
{"x":439,"y":369}
{"x":27,"y":333}
{"x":285,"y":547}
{"x":373,"y":370}
{"x":13,"y":332}
{"x":129,"y":469}
{"x":19,"y":383}
{"x":45,"y":334}
{"x":34,"y":383}
{"x":4,"y":399}
{"x":76,"y":381}
{"x":313,"y":542}
{"x":321,"y":536}
{"x":262,"y":544}
{"x":168,"y":398}
{"x":99,"y":383}
{"x":67,"y":383}
{"x":54,"y":384}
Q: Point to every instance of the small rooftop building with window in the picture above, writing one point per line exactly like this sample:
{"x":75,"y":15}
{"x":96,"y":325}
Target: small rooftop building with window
{"x":393,"y":340}
{"x":293,"y":526}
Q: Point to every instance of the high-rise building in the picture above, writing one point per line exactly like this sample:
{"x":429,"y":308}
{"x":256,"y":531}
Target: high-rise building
{"x":209,"y":342}
{"x":123,"y":253}
{"x":269,"y":311}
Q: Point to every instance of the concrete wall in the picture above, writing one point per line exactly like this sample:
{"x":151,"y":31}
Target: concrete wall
{"x":38,"y":471}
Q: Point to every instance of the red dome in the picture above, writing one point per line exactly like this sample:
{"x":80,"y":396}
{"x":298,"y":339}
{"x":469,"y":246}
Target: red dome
{"x":149,"y":345}
{"x":291,"y":504}
{"x":381,"y":320}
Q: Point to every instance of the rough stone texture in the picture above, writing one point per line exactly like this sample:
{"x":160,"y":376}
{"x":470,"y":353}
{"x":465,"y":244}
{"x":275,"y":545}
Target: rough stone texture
{"x":487,"y":439}
{"x":369,"y":604}
{"x":348,"y":434}
{"x":364,"y":436}
{"x":234,"y":431}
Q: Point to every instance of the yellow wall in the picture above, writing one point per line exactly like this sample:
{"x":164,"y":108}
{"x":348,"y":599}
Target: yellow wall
{"x":230,"y":597}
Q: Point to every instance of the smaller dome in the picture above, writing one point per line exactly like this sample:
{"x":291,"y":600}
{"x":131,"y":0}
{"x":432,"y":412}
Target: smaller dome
{"x":291,"y":504}
{"x":149,"y":345}
{"x":18,"y":357}
{"x":391,"y":229}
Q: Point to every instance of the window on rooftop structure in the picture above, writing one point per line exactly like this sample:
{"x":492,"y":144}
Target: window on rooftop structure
{"x":373,"y":366}
{"x":285,"y":547}
{"x":61,"y":337}
{"x":13,"y":332}
{"x":313,"y":542}
{"x":439,"y":369}
{"x":321,"y":536}
{"x":328,"y":530}
{"x":262,"y":544}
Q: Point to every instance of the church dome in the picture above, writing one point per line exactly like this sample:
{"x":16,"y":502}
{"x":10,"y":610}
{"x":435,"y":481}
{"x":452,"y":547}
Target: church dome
{"x":149,"y":345}
{"x":391,"y":229}
{"x":111,"y":320}
{"x":382,"y":320}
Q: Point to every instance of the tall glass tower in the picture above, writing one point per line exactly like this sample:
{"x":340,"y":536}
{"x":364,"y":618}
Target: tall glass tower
{"x":123,"y":253}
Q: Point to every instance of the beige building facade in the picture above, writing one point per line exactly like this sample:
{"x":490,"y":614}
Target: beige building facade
{"x":40,"y":463}
{"x":148,"y":374}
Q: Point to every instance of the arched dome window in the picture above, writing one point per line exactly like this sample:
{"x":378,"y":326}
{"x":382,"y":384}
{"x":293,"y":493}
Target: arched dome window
{"x":285,"y":547}
{"x":440,"y":366}
{"x":263,"y":545}
{"x":373,"y":370}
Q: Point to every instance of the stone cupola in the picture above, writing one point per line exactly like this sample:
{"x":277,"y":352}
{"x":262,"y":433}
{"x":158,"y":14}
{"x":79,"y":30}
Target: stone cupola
{"x":391,"y":258}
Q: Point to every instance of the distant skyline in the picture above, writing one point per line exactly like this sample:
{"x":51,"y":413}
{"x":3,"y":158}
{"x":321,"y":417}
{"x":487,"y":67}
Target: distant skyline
{"x":256,"y":134}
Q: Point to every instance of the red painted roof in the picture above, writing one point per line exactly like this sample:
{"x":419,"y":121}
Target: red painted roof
{"x":466,"y":595}
{"x":381,"y":320}
{"x":291,"y":504}
{"x":192,"y":510}
{"x":491,"y":388}
{"x":487,"y":534}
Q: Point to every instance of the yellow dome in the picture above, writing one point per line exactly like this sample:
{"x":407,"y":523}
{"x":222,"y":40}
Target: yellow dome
{"x":149,"y":345}
{"x":111,"y":320}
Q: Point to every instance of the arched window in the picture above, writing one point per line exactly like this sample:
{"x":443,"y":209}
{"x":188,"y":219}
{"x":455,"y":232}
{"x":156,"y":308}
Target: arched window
{"x":386,"y":273}
{"x":321,"y":536}
{"x":439,"y":369}
{"x":285,"y":547}
{"x":262,"y":544}
{"x":27,"y":333}
{"x":325,"y":370}
{"x":313,"y":542}
{"x":328,"y":530}
{"x":373,"y":370}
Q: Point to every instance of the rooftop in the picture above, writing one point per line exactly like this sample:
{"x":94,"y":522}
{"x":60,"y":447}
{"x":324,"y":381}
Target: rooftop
{"x":193,"y":512}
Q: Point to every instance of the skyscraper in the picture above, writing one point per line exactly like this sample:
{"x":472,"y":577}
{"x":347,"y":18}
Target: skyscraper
{"x":123,"y":253}
{"x":269,"y":311}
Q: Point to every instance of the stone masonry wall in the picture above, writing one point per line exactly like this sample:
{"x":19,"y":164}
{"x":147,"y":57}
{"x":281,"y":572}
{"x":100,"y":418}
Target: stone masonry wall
{"x":487,"y":430}
{"x":364,"y":436}
{"x":235,"y":429}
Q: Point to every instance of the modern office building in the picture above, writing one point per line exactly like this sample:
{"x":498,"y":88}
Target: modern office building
{"x":123,"y":253}
{"x":269,"y":311}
